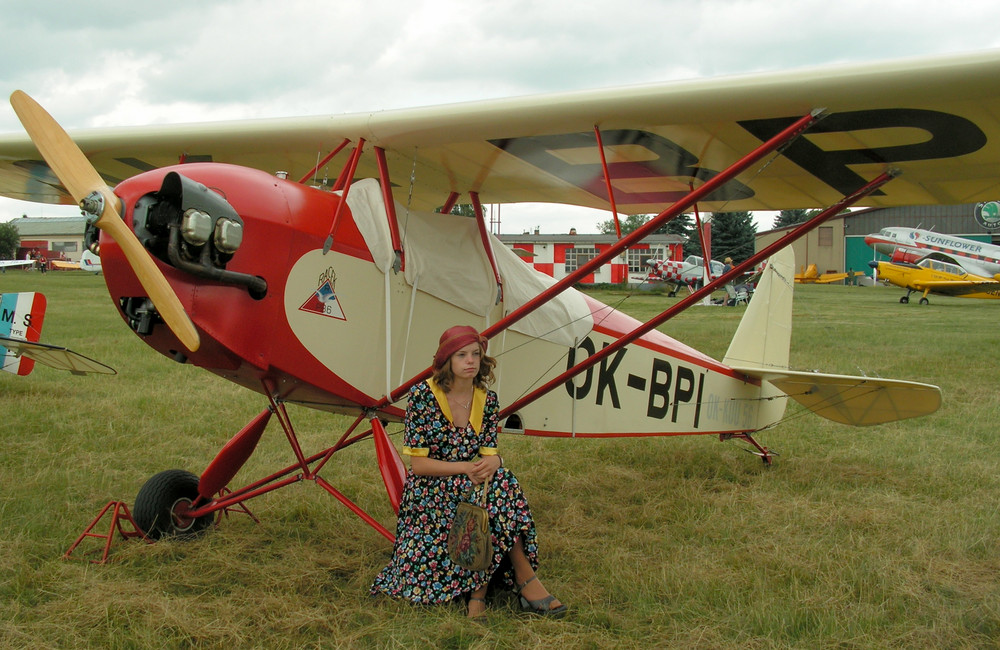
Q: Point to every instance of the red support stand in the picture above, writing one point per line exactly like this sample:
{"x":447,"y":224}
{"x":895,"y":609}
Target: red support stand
{"x":120,"y":516}
{"x":238,"y":508}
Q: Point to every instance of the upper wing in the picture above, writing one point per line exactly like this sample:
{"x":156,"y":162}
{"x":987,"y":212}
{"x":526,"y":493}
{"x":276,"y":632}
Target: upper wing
{"x":934,"y":119}
{"x":9,"y":263}
{"x":56,"y":357}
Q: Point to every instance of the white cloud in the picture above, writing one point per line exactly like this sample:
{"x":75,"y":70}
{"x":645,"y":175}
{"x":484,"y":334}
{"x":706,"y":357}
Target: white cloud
{"x":115,"y":62}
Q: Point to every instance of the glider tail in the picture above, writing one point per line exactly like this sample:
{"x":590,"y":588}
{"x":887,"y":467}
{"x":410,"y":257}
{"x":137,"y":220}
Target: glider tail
{"x":21,"y":316}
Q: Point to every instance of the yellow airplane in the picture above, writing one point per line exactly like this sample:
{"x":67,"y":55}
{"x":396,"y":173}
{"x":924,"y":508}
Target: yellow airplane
{"x":932,"y":275}
{"x":811,"y":275}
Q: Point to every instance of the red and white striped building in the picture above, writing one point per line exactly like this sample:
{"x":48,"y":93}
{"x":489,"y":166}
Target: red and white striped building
{"x":559,"y":255}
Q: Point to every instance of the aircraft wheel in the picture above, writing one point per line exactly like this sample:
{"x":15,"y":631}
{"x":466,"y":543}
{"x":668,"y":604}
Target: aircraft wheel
{"x":924,"y":301}
{"x":904,"y":299}
{"x":162,"y":501}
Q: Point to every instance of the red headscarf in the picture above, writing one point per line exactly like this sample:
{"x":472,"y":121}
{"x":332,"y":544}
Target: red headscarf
{"x":454,"y":339}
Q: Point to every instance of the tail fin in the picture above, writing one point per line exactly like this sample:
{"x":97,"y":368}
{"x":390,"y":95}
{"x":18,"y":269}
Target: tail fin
{"x":21,"y":317}
{"x":760,"y":349}
{"x":765,"y":333}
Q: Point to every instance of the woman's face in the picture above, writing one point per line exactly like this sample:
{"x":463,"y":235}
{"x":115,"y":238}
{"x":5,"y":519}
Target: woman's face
{"x":465,"y":362}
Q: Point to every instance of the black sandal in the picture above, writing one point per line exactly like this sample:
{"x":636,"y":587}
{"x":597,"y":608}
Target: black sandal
{"x":542,"y":606}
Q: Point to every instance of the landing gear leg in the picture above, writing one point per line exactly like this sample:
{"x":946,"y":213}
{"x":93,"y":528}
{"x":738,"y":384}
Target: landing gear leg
{"x":766,"y":455}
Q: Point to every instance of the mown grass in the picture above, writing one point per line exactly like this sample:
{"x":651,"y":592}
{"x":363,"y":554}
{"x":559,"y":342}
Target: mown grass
{"x":855,"y":538}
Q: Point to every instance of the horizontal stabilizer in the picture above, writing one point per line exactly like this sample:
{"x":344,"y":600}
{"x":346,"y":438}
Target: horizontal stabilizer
{"x":56,"y":357}
{"x":858,"y":401}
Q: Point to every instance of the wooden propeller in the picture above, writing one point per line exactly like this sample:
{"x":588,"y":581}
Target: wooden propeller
{"x":81,"y":180}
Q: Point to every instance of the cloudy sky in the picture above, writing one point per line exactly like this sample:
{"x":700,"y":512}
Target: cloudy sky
{"x":115,"y":62}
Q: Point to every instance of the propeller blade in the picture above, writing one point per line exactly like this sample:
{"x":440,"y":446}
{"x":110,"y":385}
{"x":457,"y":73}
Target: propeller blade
{"x":80,"y":178}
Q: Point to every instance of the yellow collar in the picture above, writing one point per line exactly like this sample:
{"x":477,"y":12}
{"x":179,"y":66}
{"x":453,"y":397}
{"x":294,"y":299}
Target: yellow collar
{"x":475,"y":413}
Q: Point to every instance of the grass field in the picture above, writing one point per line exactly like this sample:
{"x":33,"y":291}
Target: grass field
{"x":883,"y":537}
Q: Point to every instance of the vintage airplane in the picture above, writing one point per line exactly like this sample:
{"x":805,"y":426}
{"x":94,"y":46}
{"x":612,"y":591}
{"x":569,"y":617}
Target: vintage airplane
{"x":687,"y":273}
{"x":88,"y":262}
{"x":811,"y":275}
{"x":932,"y":275}
{"x":21,"y":319}
{"x":910,"y":245}
{"x":333,"y":297}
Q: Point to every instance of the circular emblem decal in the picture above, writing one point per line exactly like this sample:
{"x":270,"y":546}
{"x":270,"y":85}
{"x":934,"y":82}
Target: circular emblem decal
{"x":988,"y":214}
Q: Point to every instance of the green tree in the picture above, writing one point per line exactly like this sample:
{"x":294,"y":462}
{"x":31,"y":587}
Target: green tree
{"x":10,"y":239}
{"x":733,"y":235}
{"x":682,"y":224}
{"x":464,"y":209}
{"x":629,"y":224}
{"x":792,"y":217}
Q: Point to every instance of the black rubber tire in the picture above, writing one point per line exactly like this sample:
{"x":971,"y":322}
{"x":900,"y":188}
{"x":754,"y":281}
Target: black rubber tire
{"x":155,"y":502}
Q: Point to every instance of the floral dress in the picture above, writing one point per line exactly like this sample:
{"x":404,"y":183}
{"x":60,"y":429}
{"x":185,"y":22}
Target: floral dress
{"x":421,"y":570}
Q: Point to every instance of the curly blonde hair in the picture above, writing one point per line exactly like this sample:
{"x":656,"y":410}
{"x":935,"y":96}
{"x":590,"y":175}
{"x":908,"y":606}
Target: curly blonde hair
{"x":444,"y":377}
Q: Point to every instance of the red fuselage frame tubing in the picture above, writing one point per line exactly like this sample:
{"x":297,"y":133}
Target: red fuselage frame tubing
{"x":678,"y":307}
{"x":638,"y":235}
{"x":367,"y":518}
{"x":273,"y":482}
{"x":339,"y":444}
{"x":325,"y":160}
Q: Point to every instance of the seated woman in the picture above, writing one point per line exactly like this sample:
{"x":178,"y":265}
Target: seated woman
{"x":451,"y":436}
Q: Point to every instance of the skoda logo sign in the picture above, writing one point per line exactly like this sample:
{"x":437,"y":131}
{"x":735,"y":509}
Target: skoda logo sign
{"x":988,"y":214}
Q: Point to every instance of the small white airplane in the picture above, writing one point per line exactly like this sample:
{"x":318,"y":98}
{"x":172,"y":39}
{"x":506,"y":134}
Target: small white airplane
{"x":910,"y":245}
{"x":6,"y":264}
{"x":90,"y":262}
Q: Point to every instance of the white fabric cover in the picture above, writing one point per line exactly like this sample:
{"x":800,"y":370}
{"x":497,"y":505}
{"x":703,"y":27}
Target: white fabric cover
{"x":445,"y":257}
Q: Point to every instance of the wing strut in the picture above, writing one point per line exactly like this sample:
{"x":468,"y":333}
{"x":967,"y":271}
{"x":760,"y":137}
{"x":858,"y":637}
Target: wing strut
{"x":713,"y":184}
{"x":343,"y":183}
{"x":449,"y":203}
{"x":326,"y":159}
{"x":607,"y":181}
{"x":484,"y":234}
{"x":390,"y":209}
{"x":705,"y":238}
{"x":689,"y":300}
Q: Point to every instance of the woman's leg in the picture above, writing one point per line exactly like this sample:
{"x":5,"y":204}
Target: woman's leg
{"x":477,"y":602}
{"x":533,"y":590}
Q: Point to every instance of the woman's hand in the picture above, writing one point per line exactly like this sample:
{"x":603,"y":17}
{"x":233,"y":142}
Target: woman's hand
{"x":483,"y":469}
